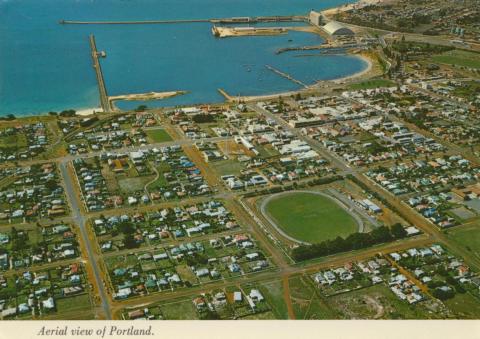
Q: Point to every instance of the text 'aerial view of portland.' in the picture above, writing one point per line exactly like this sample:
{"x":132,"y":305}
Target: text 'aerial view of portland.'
{"x":239,"y":160}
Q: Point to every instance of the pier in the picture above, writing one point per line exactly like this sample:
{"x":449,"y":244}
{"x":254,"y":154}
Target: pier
{"x":225,"y":32}
{"x":146,"y":22}
{"x":326,"y":47}
{"x":225,"y":94}
{"x":286,"y":76}
{"x":304,"y":48}
{"x":104,"y":101}
{"x":292,"y":18}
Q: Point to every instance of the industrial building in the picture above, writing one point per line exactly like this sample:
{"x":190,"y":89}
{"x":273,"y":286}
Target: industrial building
{"x":335,"y":28}
{"x":316,"y":18}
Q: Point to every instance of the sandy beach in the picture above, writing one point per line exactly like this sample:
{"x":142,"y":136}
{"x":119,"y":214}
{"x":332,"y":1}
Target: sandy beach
{"x":88,"y":111}
{"x":363,"y":73}
{"x":366,"y":73}
{"x":359,"y":4}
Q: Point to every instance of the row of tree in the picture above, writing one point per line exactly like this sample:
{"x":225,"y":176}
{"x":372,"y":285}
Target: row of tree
{"x":354,"y":241}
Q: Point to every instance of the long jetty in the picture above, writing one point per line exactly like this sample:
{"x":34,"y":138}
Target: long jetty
{"x":292,"y":18}
{"x":104,"y":101}
{"x":286,"y":76}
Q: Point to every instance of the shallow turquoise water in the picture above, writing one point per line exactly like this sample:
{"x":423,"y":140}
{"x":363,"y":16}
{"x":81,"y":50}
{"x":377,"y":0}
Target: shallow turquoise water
{"x":46,"y":66}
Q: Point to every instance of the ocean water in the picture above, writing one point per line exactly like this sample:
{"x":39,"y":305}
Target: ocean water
{"x":45,"y":66}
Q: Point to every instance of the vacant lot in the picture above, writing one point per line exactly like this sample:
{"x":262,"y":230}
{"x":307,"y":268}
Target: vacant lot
{"x":129,"y":185}
{"x":310,"y":217}
{"x":372,"y":84}
{"x":16,"y":141}
{"x":469,"y":237}
{"x":459,"y":58}
{"x":464,"y":306}
{"x":227,"y":167}
{"x":377,"y":302}
{"x":306,"y":302}
{"x":274,"y":293}
{"x":179,"y":310}
{"x":69,"y":308}
{"x":158,"y":135}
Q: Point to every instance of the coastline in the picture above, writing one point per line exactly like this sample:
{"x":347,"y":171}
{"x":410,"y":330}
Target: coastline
{"x":361,"y":73}
{"x":354,"y":5}
{"x":367,"y":72}
{"x":84,"y":112}
{"x":317,"y":85}
{"x":88,"y":111}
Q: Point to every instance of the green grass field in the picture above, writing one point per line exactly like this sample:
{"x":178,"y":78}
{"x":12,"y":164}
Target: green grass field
{"x":471,"y":89}
{"x":17,"y":141}
{"x":129,"y":185}
{"x":225,"y":167}
{"x":465,"y":306}
{"x":372,"y":84}
{"x":162,"y":168}
{"x":273,"y":292}
{"x":179,"y":310}
{"x":158,"y":135}
{"x":468,"y":237}
{"x":306,"y":302}
{"x":310,"y":217}
{"x":79,"y":302}
{"x":459,"y":58}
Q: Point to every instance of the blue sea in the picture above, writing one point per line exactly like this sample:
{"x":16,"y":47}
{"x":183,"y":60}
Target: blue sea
{"x":46,"y":66}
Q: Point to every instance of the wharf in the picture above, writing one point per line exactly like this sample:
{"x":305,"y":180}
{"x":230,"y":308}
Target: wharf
{"x":286,"y":76}
{"x":291,"y":18}
{"x":104,"y":101}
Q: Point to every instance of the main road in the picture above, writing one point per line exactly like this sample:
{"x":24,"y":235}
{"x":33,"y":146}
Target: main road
{"x":284,"y":269}
{"x":402,"y":209}
{"x":79,"y":218}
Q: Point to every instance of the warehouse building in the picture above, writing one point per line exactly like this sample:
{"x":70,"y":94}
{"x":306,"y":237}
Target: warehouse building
{"x":335,"y":28}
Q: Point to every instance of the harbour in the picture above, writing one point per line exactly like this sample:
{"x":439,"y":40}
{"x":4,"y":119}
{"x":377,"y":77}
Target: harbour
{"x":136,"y":60}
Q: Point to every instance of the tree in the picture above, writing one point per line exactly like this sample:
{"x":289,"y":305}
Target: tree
{"x":68,"y":113}
{"x":443,"y":294}
{"x":359,"y":240}
{"x":442,"y":271}
{"x":339,"y":244}
{"x":19,"y":240}
{"x":126,"y":228}
{"x":398,"y":231}
{"x":211,"y":315}
{"x":51,"y":185}
{"x":203,"y":118}
{"x":141,"y":108}
{"x":460,"y":289}
{"x":130,"y":241}
{"x":380,"y":235}
{"x":8,"y":117}
{"x":14,"y":233}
